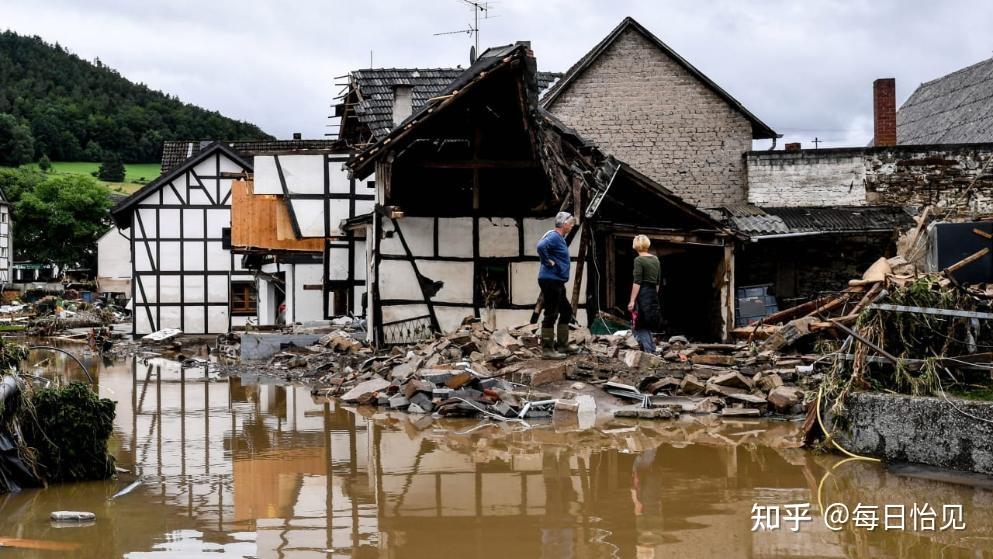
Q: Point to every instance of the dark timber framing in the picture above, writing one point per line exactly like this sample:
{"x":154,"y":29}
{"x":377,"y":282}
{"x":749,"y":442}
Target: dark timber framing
{"x":151,"y":201}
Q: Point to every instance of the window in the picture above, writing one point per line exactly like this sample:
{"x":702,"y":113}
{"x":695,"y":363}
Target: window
{"x":244,"y":298}
{"x":492,"y":283}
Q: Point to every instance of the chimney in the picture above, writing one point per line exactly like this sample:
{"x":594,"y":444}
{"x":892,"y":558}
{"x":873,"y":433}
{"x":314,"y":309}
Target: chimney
{"x":403,"y":103}
{"x":884,"y":112}
{"x":297,"y":136}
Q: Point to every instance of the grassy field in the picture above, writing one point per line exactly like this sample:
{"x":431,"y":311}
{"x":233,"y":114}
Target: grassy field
{"x":136,"y":175}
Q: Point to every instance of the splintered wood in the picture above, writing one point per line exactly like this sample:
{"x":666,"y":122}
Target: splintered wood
{"x":262,"y":221}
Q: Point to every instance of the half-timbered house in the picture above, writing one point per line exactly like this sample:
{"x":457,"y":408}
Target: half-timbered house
{"x":466,"y":186}
{"x":6,"y":246}
{"x":183,"y":274}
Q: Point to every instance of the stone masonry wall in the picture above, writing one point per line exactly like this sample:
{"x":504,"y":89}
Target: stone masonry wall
{"x":647,"y":110}
{"x":911,"y":176}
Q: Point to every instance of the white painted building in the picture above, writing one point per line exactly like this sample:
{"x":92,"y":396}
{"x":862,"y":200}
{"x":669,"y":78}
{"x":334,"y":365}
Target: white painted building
{"x":183,"y":275}
{"x":6,"y":244}
{"x":319,"y":196}
{"x":114,"y":262}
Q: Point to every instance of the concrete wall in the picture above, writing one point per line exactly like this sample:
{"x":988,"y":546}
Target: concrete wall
{"x":643,"y":107}
{"x":920,"y":430}
{"x":913,"y":176}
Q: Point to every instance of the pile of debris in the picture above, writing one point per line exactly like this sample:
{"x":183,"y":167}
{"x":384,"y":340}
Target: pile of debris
{"x":500,"y":374}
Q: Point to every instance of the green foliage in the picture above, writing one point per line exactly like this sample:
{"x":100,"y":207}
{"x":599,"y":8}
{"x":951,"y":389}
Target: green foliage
{"x":68,"y":427}
{"x":14,"y":182}
{"x":16,"y":141}
{"x":112,"y":168}
{"x":60,"y":220}
{"x":11,"y":354}
{"x":44,"y":164}
{"x":78,"y":110}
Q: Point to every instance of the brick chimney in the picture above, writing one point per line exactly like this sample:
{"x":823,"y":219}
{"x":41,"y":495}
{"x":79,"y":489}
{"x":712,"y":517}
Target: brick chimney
{"x":884,"y":112}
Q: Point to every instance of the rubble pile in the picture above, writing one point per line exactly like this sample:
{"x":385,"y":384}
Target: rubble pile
{"x":477,"y":371}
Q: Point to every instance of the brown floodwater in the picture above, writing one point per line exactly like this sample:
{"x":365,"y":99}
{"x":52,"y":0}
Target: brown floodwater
{"x":243,"y":468}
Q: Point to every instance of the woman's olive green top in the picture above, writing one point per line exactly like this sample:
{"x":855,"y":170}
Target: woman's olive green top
{"x":647,"y":269}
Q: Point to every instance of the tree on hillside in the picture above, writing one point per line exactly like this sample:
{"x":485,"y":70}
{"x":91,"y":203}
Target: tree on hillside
{"x":77,"y":110}
{"x":60,"y":220}
{"x":112,"y":168}
{"x":16,"y":142}
{"x":14,"y":182}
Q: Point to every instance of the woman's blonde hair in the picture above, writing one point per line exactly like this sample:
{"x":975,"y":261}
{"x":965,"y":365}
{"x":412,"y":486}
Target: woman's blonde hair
{"x":641,"y":243}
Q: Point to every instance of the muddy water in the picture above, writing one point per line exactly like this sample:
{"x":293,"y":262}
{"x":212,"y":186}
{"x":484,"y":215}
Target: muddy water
{"x":239,"y":468}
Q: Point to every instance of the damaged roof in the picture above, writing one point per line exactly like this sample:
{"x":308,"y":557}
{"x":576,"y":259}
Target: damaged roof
{"x":763,"y":222}
{"x":954,"y":109}
{"x":760,"y":130}
{"x":175,"y":152}
{"x":370,"y":92}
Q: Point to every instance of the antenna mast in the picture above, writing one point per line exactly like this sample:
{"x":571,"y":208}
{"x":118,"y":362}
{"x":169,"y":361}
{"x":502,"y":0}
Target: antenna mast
{"x":473,"y":30}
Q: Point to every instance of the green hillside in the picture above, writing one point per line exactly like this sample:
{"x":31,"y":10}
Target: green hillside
{"x":54,"y":103}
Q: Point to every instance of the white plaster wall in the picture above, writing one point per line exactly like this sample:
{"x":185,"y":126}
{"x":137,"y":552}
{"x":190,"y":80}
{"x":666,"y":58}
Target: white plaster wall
{"x":535,"y":229}
{"x":309,"y":302}
{"x":524,"y":283}
{"x":498,"y":237}
{"x":114,"y":254}
{"x":400,"y":282}
{"x":805,"y":179}
{"x":455,"y":237}
{"x":417,"y":231}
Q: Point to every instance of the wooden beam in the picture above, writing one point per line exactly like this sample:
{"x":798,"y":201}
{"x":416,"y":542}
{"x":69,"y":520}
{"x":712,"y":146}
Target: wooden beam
{"x":580,"y":264}
{"x":477,"y":164}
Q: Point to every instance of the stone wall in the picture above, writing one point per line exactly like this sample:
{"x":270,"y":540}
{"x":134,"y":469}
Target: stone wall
{"x":912,"y":176}
{"x":647,"y":110}
{"x":920,"y":430}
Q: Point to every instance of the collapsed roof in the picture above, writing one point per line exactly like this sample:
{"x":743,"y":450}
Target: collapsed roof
{"x":570,"y":164}
{"x":366,"y":106}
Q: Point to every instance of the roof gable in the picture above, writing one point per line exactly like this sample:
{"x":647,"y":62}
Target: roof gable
{"x":368,"y":100}
{"x":760,"y":130}
{"x":953,"y":109}
{"x":121,"y":212}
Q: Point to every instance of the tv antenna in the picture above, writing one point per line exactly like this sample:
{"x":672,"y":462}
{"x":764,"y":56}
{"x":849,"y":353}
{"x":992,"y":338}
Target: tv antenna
{"x":472,"y":30}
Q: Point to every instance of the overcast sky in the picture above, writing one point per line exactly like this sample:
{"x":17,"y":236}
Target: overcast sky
{"x":803,"y":67}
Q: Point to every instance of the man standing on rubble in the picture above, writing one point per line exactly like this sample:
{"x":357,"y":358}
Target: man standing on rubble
{"x":552,"y":277}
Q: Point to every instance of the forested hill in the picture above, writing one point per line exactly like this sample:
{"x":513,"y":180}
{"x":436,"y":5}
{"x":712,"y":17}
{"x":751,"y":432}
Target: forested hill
{"x":78,"y":110}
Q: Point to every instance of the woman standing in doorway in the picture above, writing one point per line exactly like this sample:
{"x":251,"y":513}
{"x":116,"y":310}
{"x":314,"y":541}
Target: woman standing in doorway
{"x":644,"y":304}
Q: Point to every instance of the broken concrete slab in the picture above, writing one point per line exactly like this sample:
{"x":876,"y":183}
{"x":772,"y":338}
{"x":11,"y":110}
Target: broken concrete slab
{"x":785,"y":397}
{"x":732,"y":380}
{"x":691,"y":385}
{"x":365,"y":388}
{"x":256,"y":346}
{"x":713,"y":359}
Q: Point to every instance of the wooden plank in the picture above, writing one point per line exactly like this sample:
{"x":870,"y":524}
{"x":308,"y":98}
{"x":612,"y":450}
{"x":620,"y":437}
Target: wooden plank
{"x":261,"y":221}
{"x":983,"y":234}
{"x":966,"y":261}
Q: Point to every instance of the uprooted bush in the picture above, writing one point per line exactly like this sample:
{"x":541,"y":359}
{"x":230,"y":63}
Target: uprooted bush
{"x":67,"y":428}
{"x":922,"y":343}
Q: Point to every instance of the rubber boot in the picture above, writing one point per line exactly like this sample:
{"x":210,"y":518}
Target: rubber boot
{"x":548,"y":344}
{"x":562,"y":341}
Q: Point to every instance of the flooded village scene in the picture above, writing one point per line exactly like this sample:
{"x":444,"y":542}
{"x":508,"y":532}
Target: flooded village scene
{"x":496,"y":279}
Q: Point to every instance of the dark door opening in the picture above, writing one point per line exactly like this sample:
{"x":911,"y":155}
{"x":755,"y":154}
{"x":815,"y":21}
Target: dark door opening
{"x":690,"y":291}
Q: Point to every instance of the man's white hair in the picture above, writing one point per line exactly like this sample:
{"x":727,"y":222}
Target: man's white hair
{"x":562,"y":218}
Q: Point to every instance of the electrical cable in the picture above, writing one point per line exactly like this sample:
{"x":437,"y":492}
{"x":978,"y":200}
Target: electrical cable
{"x":76,"y":359}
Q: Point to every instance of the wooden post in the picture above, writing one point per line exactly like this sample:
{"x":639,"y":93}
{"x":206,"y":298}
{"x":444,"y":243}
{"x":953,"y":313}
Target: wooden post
{"x":580,"y":265}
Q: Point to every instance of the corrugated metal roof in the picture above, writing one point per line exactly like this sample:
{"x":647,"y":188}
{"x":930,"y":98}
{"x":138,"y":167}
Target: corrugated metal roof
{"x":957,"y":108}
{"x":756,"y":222}
{"x":375,"y":91}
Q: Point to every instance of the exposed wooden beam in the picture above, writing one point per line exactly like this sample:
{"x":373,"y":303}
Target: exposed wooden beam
{"x":477,"y":164}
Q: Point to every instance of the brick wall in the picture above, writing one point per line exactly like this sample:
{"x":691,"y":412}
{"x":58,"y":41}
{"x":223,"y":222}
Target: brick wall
{"x":643,"y":107}
{"x":913,"y":176}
